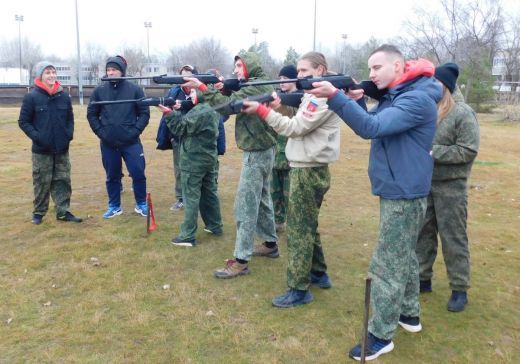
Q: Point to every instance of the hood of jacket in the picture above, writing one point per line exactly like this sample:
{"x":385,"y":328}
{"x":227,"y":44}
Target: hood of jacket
{"x":253,"y":65}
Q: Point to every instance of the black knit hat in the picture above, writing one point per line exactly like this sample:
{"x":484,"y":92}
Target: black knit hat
{"x":288,"y":71}
{"x":117,"y":62}
{"x":447,"y":74}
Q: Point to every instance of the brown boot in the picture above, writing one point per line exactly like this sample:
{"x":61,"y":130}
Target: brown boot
{"x":232,"y":269}
{"x":262,"y":250}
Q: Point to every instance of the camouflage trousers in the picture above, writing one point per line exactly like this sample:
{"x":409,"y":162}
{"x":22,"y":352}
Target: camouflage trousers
{"x":253,"y":204}
{"x":446,"y":215}
{"x":177,"y":187}
{"x":280,"y":194}
{"x":200,"y":193}
{"x":394,"y":269}
{"x":51,"y":176}
{"x":305,"y":254}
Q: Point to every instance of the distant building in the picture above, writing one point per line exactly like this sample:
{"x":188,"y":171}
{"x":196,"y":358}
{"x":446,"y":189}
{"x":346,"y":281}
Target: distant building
{"x":10,"y":76}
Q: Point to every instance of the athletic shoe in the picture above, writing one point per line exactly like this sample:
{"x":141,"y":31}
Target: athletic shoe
{"x":293,"y":297}
{"x":112,"y":211}
{"x":69,"y":217}
{"x":180,"y":242}
{"x":262,"y":250}
{"x":37,"y":219}
{"x":410,"y":323}
{"x":458,"y":301}
{"x":375,"y":347}
{"x":322,"y":281}
{"x":141,"y":209}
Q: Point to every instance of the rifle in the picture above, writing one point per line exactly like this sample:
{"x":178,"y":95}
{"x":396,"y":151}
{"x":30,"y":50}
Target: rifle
{"x":149,"y":101}
{"x":288,"y":99}
{"x":168,"y":80}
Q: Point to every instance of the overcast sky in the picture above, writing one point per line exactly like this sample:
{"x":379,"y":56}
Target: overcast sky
{"x":282,"y":23}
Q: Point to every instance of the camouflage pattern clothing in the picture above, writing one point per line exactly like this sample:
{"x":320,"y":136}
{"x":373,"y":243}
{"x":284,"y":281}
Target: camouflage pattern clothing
{"x":51,"y":176}
{"x":455,"y":147}
{"x":253,"y":204}
{"x":280,"y":178}
{"x":305,"y":254}
{"x":394,"y":268}
{"x":197,"y":131}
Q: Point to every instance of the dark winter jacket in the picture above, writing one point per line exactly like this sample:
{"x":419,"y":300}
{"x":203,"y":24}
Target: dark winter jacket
{"x":251,"y":132}
{"x":197,"y":131}
{"x":401,"y":127}
{"x":118,"y":125}
{"x":48,"y":120}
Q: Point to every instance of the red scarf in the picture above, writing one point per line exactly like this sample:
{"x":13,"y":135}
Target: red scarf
{"x":51,"y":91}
{"x":413,"y":69}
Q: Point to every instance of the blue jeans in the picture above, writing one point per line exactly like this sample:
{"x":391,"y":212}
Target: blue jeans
{"x":112,"y":157}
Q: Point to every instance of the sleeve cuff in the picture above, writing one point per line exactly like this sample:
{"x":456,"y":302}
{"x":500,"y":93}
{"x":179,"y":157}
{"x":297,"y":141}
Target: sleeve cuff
{"x":334,"y":94}
{"x":203,"y":87}
{"x":262,"y":111}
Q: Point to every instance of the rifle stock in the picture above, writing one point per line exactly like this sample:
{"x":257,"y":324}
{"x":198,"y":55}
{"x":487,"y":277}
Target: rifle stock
{"x":148,"y":101}
{"x":168,"y":80}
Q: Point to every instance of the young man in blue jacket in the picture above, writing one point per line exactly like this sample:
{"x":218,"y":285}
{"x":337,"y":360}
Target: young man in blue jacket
{"x":118,"y":126}
{"x":401,"y":127}
{"x":46,"y":117}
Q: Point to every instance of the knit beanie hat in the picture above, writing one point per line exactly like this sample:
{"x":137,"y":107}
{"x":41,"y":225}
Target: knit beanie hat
{"x":190,"y":68}
{"x":117,"y":62}
{"x":288,"y":71}
{"x":447,"y":74}
{"x":41,"y":66}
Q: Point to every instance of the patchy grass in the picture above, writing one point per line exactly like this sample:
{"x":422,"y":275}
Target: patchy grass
{"x":59,"y":305}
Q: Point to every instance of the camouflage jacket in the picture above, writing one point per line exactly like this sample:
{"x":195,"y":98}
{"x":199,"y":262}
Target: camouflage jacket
{"x":456,"y":142}
{"x":197,"y":131}
{"x":251,"y":132}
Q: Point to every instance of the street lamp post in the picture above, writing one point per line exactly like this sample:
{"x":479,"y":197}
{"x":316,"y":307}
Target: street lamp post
{"x":255,"y":32}
{"x":19,"y":19}
{"x":148,"y":25}
{"x":344,"y":36}
{"x":78,"y":50}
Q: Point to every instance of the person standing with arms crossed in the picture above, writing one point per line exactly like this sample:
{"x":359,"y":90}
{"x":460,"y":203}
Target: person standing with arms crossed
{"x":401,"y":127}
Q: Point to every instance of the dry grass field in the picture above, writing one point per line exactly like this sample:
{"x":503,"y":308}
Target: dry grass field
{"x":146,"y":301}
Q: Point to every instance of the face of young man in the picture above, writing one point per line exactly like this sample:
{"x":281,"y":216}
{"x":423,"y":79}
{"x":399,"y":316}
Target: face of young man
{"x":287,"y":87}
{"x":239,"y":69}
{"x":187,"y":73}
{"x":114,"y":72}
{"x":384,"y":69}
{"x":49,"y":76}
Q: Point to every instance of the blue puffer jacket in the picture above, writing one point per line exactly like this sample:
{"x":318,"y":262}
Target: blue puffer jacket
{"x":118,"y":125}
{"x":401,"y":127}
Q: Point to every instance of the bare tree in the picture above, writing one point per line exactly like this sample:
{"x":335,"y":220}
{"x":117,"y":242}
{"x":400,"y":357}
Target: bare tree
{"x":136,"y":59}
{"x":94,"y":57}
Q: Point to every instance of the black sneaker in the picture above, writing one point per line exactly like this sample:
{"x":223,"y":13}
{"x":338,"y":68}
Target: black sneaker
{"x":425,"y":286}
{"x":69,"y":217}
{"x":322,"y":281}
{"x":458,"y":301}
{"x":410,"y":323}
{"x":179,"y":242}
{"x":375,"y":347}
{"x":37,"y":219}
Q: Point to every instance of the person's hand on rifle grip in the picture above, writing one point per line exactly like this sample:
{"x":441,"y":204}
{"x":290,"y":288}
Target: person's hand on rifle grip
{"x":356,"y":94}
{"x":322,"y":89}
{"x":275,"y":104}
{"x":250,"y":107}
{"x":164,"y":109}
{"x":177,"y":104}
{"x":192,"y":82}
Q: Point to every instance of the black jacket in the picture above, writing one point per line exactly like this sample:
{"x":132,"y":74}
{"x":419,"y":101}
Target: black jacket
{"x":120,"y":124}
{"x":47,"y":120}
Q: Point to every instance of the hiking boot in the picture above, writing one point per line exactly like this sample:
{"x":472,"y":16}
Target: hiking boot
{"x":322,"y":281}
{"x":69,"y":217}
{"x":410,"y":323}
{"x":141,"y":209}
{"x":232,"y":269}
{"x":216,"y":232}
{"x":177,"y":205}
{"x":293,"y":297}
{"x":262,"y":250}
{"x":37,"y":219}
{"x":425,"y":286}
{"x":180,"y":242}
{"x":112,"y":211}
{"x":375,"y":347}
{"x":458,"y":301}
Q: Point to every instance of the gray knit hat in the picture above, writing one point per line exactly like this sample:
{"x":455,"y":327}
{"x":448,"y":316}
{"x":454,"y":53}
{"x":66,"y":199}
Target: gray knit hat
{"x":40,"y":67}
